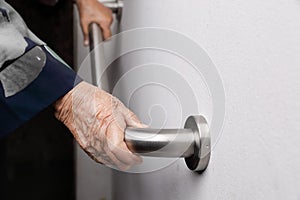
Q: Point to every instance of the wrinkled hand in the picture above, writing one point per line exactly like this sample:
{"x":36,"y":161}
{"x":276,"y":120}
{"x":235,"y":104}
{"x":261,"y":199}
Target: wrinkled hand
{"x":93,"y":11}
{"x":98,"y":120}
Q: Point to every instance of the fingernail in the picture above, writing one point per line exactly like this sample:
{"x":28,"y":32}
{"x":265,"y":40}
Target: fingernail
{"x":86,"y":43}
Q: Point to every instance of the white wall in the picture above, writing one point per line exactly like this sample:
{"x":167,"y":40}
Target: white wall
{"x":255,"y":46}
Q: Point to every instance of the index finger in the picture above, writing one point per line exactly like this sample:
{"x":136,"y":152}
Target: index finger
{"x":115,"y":136}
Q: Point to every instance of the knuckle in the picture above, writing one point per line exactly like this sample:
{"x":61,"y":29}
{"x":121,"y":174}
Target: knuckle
{"x":105,"y":120}
{"x":130,"y":114}
{"x":113,"y":148}
{"x":110,"y":149}
{"x":108,"y":20}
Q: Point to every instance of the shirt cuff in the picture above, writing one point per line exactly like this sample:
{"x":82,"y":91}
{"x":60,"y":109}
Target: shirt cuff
{"x":53,"y":82}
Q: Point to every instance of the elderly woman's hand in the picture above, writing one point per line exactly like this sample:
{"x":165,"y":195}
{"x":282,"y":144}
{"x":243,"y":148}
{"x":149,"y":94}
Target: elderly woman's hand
{"x":98,"y":120}
{"x":93,"y":11}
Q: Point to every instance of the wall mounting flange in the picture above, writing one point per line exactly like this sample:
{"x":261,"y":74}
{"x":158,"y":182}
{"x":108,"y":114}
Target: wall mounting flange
{"x":193,"y":142}
{"x":202,"y":146}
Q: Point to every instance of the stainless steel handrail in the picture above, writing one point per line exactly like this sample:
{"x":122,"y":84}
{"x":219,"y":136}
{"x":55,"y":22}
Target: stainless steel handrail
{"x":96,"y":37}
{"x":193,"y":142}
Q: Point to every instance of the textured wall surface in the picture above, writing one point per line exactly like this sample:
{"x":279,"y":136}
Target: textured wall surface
{"x":255,"y":46}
